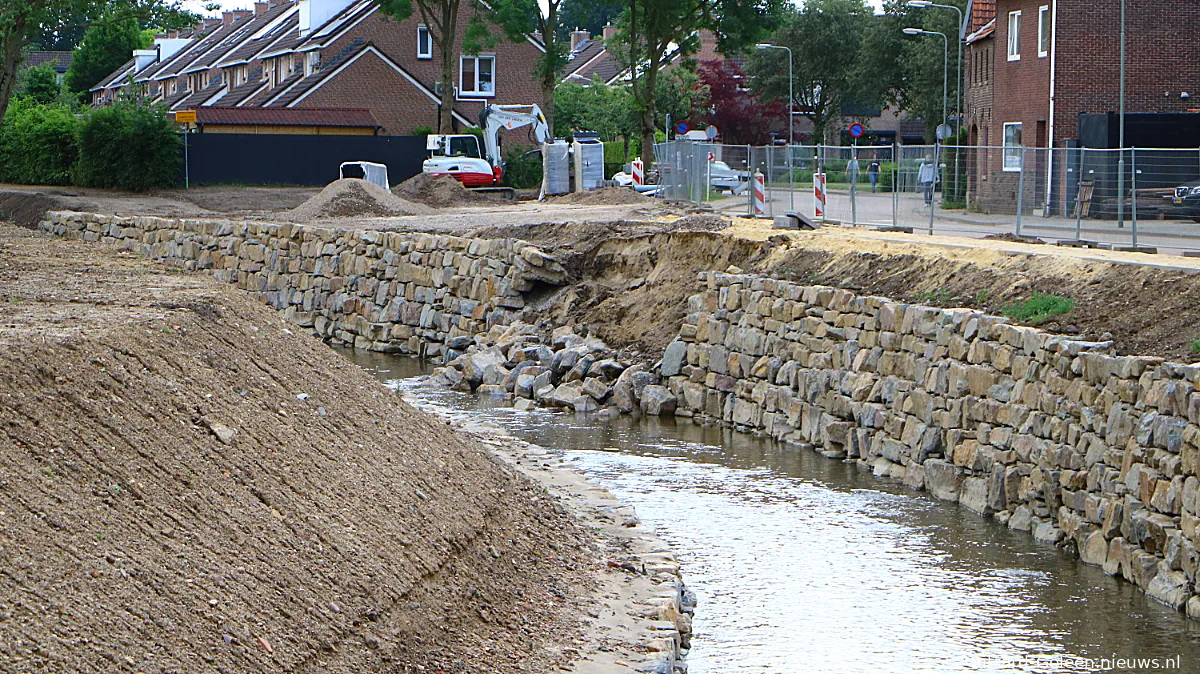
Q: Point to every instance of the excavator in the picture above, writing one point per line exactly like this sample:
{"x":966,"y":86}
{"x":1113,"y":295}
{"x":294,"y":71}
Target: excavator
{"x":459,"y":155}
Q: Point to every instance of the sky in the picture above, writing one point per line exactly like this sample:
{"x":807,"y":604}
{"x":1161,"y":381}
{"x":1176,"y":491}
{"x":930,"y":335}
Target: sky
{"x":198,"y":5}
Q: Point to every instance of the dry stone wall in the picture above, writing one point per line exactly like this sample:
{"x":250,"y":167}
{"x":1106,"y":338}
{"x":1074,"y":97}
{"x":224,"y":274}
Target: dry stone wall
{"x":1049,"y":434}
{"x":396,"y":292}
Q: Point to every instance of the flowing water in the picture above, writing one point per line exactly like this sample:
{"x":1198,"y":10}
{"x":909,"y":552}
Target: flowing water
{"x":803,"y":564}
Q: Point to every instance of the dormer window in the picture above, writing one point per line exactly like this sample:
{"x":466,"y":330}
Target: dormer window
{"x":424,"y":43}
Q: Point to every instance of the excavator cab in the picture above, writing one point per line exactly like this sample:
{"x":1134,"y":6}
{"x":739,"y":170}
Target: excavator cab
{"x":453,"y":146}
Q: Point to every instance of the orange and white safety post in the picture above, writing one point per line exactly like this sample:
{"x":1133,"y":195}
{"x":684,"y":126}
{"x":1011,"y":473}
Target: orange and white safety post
{"x":760,"y":194}
{"x":819,"y":194}
{"x":639,"y":172}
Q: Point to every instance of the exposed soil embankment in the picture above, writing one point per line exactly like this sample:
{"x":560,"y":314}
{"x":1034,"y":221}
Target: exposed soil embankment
{"x":190,"y":486}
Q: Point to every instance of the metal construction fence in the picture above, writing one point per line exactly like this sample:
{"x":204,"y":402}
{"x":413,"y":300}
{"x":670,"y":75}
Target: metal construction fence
{"x":1139,"y":197}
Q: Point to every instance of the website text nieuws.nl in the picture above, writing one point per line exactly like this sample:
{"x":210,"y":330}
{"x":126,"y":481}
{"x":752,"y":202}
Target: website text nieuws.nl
{"x":1074,"y":663}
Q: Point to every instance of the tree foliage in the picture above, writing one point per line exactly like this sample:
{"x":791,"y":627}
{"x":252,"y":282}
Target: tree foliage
{"x":129,"y":146}
{"x":40,"y":85}
{"x":653,"y":31}
{"x":105,"y":47}
{"x":739,"y":115}
{"x":589,"y":15}
{"x":826,"y":38}
{"x":609,"y":111}
{"x":39,"y":144}
{"x":23,"y":22}
{"x":519,"y":18}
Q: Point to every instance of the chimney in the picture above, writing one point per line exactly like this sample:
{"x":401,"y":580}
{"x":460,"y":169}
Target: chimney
{"x":610,"y":31}
{"x":261,"y":8}
{"x":144,"y":58}
{"x":578,"y":37}
{"x":228,"y":18}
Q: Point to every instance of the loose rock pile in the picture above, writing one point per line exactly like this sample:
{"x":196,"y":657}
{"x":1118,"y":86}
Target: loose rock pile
{"x":354,"y":198}
{"x":571,"y":371}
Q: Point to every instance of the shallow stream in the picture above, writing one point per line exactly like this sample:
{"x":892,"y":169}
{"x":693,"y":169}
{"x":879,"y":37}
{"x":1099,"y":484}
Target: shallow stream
{"x":803,"y":564}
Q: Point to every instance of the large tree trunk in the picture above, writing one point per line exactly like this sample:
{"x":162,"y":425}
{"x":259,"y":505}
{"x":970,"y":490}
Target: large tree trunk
{"x":648,"y":108}
{"x":446,"y":43}
{"x":550,"y":76}
{"x":11,"y":43}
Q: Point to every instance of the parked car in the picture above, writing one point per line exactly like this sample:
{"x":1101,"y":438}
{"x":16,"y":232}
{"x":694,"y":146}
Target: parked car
{"x":724,"y":178}
{"x":1186,"y":201}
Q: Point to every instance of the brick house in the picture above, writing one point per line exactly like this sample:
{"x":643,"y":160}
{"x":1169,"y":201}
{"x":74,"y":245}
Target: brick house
{"x":1036,"y":65}
{"x":324,"y":55}
{"x":58,"y":61}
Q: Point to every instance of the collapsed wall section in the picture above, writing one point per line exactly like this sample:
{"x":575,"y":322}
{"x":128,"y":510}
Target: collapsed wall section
{"x":395,"y":292}
{"x":1051,"y":435}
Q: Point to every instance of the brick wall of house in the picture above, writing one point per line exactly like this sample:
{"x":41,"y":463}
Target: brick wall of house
{"x":1163,"y":57}
{"x":515,"y":61}
{"x":359,"y":86}
{"x":979,"y":101}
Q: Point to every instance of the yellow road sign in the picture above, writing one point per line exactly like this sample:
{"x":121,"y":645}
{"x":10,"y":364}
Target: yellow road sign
{"x":185,"y":117}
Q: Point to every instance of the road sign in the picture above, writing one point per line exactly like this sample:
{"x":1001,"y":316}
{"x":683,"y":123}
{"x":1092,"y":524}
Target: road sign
{"x":682,"y":128}
{"x":711,"y":131}
{"x":185,"y":117}
{"x":944,"y":131}
{"x":712,"y":157}
{"x":856,"y":130}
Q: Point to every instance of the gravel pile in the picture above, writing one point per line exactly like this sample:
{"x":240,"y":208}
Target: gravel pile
{"x":439,"y":192}
{"x":605,"y":196}
{"x":354,"y":198}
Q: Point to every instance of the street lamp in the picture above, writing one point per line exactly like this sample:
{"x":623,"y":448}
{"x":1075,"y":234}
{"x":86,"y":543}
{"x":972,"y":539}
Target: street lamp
{"x":791,"y":136}
{"x":945,"y":81}
{"x":958,"y":87}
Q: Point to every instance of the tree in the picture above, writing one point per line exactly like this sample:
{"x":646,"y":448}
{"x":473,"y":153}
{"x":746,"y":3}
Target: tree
{"x":825,"y":37}
{"x":609,"y":111}
{"x":25,"y":21}
{"x":740,"y":116}
{"x":649,"y":29}
{"x":521,"y":17}
{"x":40,"y":85}
{"x":441,"y":19}
{"x":589,"y":15}
{"x":105,"y":47}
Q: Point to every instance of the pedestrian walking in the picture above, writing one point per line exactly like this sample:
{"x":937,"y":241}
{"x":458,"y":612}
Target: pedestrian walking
{"x":926,"y":177}
{"x":873,"y":171}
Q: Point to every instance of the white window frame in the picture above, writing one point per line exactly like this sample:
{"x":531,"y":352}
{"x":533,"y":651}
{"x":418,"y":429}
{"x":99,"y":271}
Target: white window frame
{"x":311,"y":60}
{"x":1014,"y":36}
{"x":1011,"y":155}
{"x":473,"y":91}
{"x":1043,"y":31}
{"x":428,"y":53}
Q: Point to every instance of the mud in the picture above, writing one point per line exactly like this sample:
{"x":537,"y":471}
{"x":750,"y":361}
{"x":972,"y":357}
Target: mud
{"x":441,"y":192}
{"x":191,"y":485}
{"x":606,"y":196}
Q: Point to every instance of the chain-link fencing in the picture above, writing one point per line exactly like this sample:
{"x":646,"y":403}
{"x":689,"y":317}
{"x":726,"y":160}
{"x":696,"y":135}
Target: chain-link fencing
{"x":1141,"y":197}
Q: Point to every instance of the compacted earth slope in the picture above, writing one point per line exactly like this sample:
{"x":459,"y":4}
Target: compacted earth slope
{"x":187,"y":485}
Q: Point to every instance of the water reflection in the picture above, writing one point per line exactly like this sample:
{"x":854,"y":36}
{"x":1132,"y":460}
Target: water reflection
{"x":803,"y":564}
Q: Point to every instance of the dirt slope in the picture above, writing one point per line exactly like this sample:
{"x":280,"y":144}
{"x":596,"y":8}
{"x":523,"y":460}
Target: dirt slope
{"x":186,"y":485}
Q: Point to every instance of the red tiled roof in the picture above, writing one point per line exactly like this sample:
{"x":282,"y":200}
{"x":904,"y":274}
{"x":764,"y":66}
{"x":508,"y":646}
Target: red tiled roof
{"x":982,"y":12}
{"x":287,"y":117}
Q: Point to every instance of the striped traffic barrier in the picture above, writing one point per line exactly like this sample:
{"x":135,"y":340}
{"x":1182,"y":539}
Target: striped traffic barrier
{"x":819,"y":194}
{"x":760,"y":194}
{"x":639,"y":172}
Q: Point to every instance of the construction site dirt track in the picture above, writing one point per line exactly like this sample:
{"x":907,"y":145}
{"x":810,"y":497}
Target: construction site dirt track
{"x":190,"y":485}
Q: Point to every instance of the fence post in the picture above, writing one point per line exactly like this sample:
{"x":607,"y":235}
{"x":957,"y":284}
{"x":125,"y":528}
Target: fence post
{"x":895,"y":184}
{"x":854,"y":184}
{"x":937,"y":146}
{"x":1021,"y":191}
{"x":187,"y":169}
{"x":1079,"y":193}
{"x":750,"y":168}
{"x":1133,"y":168}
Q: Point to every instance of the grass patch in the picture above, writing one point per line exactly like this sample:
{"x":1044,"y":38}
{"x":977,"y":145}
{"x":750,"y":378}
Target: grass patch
{"x":936,"y":296}
{"x":1195,"y":345}
{"x":1040,"y":308}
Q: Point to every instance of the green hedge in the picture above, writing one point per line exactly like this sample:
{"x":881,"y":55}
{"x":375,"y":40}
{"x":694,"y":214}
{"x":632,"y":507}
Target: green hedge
{"x":522,"y":171}
{"x":128,"y":146}
{"x":39,"y":144}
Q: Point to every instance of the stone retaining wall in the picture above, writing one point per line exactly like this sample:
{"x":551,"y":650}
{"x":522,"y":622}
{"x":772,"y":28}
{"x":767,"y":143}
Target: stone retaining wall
{"x":383,"y":291}
{"x":1049,"y":434}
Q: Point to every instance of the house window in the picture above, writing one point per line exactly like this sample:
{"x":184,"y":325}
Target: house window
{"x":477,"y":75}
{"x":1013,"y":149}
{"x":1043,"y":31}
{"x":311,"y":62}
{"x":1014,"y":36}
{"x":424,"y":43}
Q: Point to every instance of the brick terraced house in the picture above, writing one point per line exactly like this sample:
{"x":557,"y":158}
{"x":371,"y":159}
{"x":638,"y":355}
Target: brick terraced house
{"x":1034,"y":66}
{"x":330,"y":55}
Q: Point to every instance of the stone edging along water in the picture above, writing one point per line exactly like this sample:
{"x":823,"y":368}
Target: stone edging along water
{"x":1051,"y":435}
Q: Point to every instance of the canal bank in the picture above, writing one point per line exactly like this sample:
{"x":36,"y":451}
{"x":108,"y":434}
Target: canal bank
{"x":1064,"y":437}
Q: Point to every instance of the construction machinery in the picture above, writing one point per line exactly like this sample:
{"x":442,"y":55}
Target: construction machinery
{"x":460,"y":155}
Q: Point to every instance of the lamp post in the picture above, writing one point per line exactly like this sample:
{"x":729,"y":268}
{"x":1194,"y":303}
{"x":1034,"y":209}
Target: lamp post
{"x":945,"y":95}
{"x":1121,"y":132}
{"x":791,"y":101}
{"x":958,"y":108}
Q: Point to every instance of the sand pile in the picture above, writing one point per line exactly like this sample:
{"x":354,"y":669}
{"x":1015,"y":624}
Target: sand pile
{"x":191,"y":485}
{"x":439,"y":192}
{"x":605,"y":196}
{"x":354,"y":198}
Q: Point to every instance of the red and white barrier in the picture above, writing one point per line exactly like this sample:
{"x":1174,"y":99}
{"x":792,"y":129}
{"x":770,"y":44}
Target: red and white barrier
{"x":819,"y":194}
{"x":639,"y":172}
{"x":760,"y":194}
